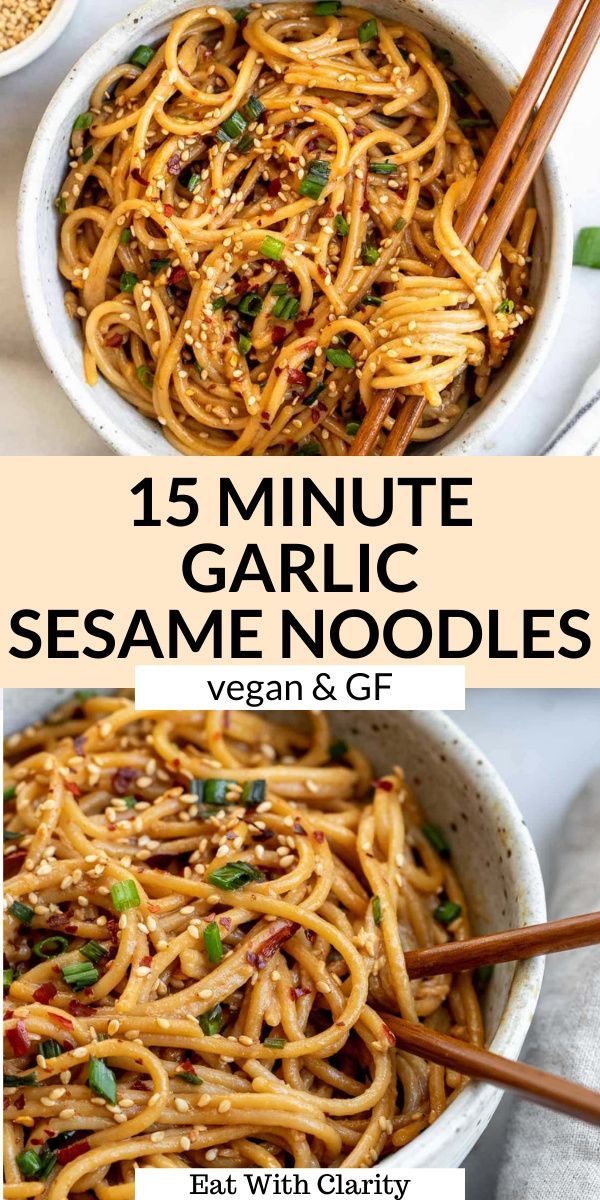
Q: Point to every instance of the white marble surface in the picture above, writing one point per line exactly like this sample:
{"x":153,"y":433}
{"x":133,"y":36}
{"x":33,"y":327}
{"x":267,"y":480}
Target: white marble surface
{"x":35,"y":416}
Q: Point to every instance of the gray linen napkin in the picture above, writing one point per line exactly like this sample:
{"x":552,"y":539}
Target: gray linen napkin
{"x":547,"y":1155}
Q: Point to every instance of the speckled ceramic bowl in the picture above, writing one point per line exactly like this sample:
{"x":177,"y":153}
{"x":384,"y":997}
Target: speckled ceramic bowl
{"x":498,"y":869}
{"x":59,"y":338}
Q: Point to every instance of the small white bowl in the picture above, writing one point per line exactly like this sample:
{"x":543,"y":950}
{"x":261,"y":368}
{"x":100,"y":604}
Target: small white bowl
{"x":38,"y":42}
{"x":496,"y":863}
{"x":59,"y":338}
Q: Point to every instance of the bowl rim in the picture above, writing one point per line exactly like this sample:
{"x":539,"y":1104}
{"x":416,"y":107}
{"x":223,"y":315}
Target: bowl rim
{"x":459,"y":1127}
{"x":114,"y":430}
{"x":40,"y":40}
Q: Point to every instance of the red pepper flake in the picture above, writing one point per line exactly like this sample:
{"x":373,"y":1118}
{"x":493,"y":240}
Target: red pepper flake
{"x":310,"y":936}
{"x":19,"y":1039}
{"x":278,"y":335}
{"x":123,"y":779}
{"x":64,"y":1022}
{"x":146,"y":961}
{"x":81,"y":1010}
{"x":139,"y":178}
{"x":389,"y":1035}
{"x":114,"y":341}
{"x":174,"y":164}
{"x":72,"y":787}
{"x":177,"y":275}
{"x":225,"y":922}
{"x":13,"y":863}
{"x":385,"y":784}
{"x":318,"y":835}
{"x":168,"y":210}
{"x":68,"y":1153}
{"x":274,"y":186}
{"x":297,"y":992}
{"x":297,"y":378}
{"x":20,"y":1101}
{"x":303,"y":324}
{"x":187,"y":1066}
{"x":259,"y":958}
{"x":45,"y":993}
{"x":79,"y":744}
{"x":315,"y":415}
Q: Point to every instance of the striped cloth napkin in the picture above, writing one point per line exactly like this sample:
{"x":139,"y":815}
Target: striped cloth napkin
{"x":579,"y":433}
{"x":546,"y":1154}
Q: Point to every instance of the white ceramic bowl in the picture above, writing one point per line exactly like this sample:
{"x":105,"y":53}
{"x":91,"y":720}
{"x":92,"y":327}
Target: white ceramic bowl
{"x":44,"y":36}
{"x":59,"y":338}
{"x":496,"y":862}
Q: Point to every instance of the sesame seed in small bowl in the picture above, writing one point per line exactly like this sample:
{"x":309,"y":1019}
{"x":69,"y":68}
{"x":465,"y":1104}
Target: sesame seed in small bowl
{"x":28,"y":28}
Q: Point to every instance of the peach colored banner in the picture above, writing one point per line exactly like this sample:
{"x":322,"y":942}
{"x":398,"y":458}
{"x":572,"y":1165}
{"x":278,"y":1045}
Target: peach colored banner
{"x":90,"y":594}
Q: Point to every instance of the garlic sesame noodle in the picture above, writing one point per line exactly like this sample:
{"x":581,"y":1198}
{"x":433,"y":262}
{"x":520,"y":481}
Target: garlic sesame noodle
{"x":250,"y":224}
{"x":204,"y":914}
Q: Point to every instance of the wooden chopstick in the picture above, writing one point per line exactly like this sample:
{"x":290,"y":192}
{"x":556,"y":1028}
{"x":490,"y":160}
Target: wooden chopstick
{"x":551,"y":1091}
{"x":516,"y":184}
{"x":570,"y":933}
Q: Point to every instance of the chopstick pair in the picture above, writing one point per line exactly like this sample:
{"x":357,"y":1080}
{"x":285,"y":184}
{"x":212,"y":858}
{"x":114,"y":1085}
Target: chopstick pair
{"x":542,"y":1087}
{"x":528,"y":158}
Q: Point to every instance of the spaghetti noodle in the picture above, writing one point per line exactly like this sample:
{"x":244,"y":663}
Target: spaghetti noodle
{"x":204,"y":913}
{"x":252,"y":218}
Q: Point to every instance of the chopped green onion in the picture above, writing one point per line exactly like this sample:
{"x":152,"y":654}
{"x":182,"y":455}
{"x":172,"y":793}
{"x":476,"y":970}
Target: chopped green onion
{"x":245,"y":143}
{"x":436,"y":838}
{"x":240,"y":14}
{"x":29,"y":1080}
{"x":244,"y":344}
{"x":10,"y":792}
{"x":211,"y":1022}
{"x":220,"y":302}
{"x":367,"y":31}
{"x":87,"y":693}
{"x":506,"y":306}
{"x":125,"y":895}
{"x":399,"y":225}
{"x":274,"y":1043}
{"x":61,"y":204}
{"x":272,"y":247}
{"x":370,"y":299}
{"x":189,"y":1078}
{"x":159,"y":264}
{"x":126,"y":236}
{"x":483,"y":975}
{"x":369,"y":254}
{"x":253,"y":792}
{"x":213,"y":943}
{"x":232,"y":127}
{"x":145,"y":376}
{"x":129,"y":801}
{"x":93,"y":951}
{"x":315,"y":179}
{"x":338,"y":749}
{"x":47,"y":1163}
{"x":234,"y":875}
{"x":194,"y":181}
{"x":51,"y":946}
{"x":83,"y":121}
{"x":286,"y":307}
{"x":28,"y":1163}
{"x":102,"y":1080}
{"x":340,"y":358}
{"x":309,"y":448}
{"x":383,"y":168}
{"x":279,"y":289}
{"x":377,"y":913}
{"x":128,"y":281}
{"x":11,"y":835}
{"x":250,"y":304}
{"x":22,"y":912}
{"x":352,"y":428}
{"x":474,"y":122}
{"x":7,"y":977}
{"x":142,"y":56}
{"x":458,"y":88}
{"x":212,"y":791}
{"x":253,"y":108}
{"x":50,"y":1048}
{"x":87,"y":154}
{"x":341,"y":225}
{"x":447,"y":913}
{"x":443,"y":55}
{"x":79,"y":975}
{"x":587,"y":247}
{"x":327,"y":8}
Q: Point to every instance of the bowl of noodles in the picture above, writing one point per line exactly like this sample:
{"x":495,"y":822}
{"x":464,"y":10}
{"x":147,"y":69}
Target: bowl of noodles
{"x":230,"y":222}
{"x":206,"y":917}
